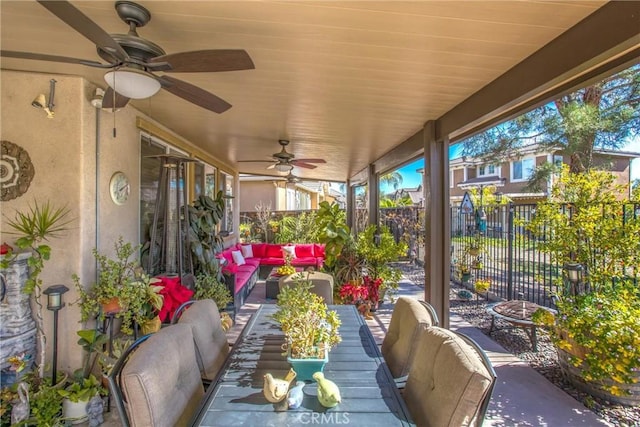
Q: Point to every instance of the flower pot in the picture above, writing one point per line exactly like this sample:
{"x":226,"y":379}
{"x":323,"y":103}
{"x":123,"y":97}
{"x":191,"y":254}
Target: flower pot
{"x":111,"y":305}
{"x":150,"y":326}
{"x":305,"y":368}
{"x":466,"y":277}
{"x":76,"y":412}
{"x":596,"y":388}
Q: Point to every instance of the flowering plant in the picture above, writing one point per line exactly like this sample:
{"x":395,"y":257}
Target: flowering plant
{"x":19,"y":362}
{"x":356,"y":293}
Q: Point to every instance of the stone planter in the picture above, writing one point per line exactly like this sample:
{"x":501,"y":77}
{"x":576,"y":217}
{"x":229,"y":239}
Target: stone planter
{"x":595,"y":388}
{"x":75,"y":412}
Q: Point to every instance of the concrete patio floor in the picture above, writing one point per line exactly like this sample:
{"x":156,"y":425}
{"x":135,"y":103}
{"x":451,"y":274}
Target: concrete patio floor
{"x":522,"y":397}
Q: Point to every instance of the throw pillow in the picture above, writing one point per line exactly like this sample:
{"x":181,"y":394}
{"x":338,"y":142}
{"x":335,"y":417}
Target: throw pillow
{"x":291,"y":250}
{"x":247,"y":251}
{"x":237,"y":257}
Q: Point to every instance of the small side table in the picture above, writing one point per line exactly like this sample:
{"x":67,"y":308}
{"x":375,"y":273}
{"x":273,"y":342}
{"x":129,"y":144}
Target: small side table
{"x":518,"y":314}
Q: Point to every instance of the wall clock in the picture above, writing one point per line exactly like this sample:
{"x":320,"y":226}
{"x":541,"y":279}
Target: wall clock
{"x":119,"y":188}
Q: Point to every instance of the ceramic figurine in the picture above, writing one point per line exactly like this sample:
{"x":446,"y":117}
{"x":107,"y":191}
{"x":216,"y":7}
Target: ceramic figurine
{"x":276,"y":389}
{"x":295,"y":395}
{"x":21,"y":409}
{"x":95,"y":407}
{"x":328,"y":391}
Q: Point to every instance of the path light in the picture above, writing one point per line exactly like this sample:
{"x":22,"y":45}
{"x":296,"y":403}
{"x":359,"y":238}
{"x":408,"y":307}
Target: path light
{"x":574,"y":277}
{"x":54,"y":303}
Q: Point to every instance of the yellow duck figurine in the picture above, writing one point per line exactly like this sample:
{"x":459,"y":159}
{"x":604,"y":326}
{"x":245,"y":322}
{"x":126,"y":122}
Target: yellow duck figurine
{"x":328,"y":391}
{"x":275,"y":389}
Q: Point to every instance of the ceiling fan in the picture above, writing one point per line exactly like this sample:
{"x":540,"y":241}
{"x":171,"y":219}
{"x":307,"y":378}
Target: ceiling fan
{"x":285,"y":161}
{"x":133,"y":60}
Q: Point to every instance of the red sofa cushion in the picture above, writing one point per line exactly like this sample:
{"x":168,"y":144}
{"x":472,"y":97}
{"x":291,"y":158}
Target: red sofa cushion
{"x":230,"y":268}
{"x":259,"y":249}
{"x":304,"y":250}
{"x":272,"y":261}
{"x":319,"y":250}
{"x":273,"y":251}
{"x":306,"y":261}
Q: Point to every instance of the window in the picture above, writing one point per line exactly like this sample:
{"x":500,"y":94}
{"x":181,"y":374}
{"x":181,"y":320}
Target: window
{"x":487,"y":170}
{"x":227,"y":221}
{"x":521,"y":170}
{"x":558,"y":160}
{"x":205,"y":180}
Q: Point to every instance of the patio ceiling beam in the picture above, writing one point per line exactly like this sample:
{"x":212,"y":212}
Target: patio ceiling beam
{"x":589,"y":47}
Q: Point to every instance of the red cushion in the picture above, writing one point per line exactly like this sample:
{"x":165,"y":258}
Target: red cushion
{"x":259,"y":249}
{"x":272,"y":261}
{"x":230,"y":268}
{"x":273,"y":251}
{"x":228,"y":256}
{"x":319,"y":250}
{"x":304,"y":250}
{"x":241,"y":279}
{"x":305,"y":261}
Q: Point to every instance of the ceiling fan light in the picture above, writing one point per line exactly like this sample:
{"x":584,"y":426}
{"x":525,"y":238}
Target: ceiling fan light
{"x":283,"y":167}
{"x":131,"y":83}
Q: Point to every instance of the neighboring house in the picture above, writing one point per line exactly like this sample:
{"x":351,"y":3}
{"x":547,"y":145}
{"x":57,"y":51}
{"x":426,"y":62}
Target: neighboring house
{"x":511,"y":177}
{"x":282,"y":196}
{"x":415,"y":194}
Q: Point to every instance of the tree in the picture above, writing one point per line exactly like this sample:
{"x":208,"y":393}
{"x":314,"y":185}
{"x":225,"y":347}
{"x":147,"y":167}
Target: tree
{"x":393,"y":179}
{"x":601,"y":116}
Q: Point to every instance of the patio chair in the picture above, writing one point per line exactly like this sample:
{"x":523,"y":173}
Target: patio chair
{"x":322,"y":283}
{"x":409,"y":317}
{"x":156,"y":381}
{"x":432,"y":312}
{"x":450,"y":383}
{"x":209,"y":339}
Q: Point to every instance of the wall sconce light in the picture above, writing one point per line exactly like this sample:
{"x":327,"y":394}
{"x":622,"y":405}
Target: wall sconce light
{"x":41,"y":101}
{"x":54,"y":303}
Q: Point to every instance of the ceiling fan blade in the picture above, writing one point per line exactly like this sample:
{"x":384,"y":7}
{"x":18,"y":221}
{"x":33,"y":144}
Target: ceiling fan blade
{"x":85,"y":26}
{"x":300,"y":164}
{"x":194,"y":94}
{"x":272,"y":166}
{"x":108,"y":99}
{"x":309,"y":161}
{"x":207,"y":61}
{"x":255,"y":161}
{"x":52,"y":58}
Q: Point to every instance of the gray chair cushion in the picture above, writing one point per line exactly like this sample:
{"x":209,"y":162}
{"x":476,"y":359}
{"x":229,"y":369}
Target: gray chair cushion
{"x":210,"y":340}
{"x":409,"y":317}
{"x":322,"y":283}
{"x":161,"y":381}
{"x":447,"y":382}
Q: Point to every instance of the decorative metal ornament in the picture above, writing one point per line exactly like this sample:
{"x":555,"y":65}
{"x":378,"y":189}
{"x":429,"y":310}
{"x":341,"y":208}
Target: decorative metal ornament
{"x":16,"y":171}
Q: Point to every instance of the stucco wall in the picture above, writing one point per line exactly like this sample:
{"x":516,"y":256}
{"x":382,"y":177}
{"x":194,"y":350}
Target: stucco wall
{"x":66,"y":155}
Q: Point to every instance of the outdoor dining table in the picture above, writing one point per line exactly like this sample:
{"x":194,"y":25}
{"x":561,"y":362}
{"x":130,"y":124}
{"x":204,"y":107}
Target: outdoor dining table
{"x":369,"y":394}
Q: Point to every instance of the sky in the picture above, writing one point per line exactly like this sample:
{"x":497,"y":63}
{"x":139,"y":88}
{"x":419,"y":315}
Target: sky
{"x":411,"y":178}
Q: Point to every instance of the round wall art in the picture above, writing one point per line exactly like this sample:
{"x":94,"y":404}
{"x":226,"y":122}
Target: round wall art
{"x":16,"y":171}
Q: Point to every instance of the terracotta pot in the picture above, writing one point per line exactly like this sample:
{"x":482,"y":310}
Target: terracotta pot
{"x":111,"y":305}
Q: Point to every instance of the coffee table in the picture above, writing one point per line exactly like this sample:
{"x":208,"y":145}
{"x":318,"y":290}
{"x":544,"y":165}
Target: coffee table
{"x":271,"y":284}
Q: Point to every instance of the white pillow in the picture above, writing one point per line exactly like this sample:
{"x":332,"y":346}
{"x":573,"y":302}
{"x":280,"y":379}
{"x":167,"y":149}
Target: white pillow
{"x":291,"y":249}
{"x":237,"y":257}
{"x":247,"y":251}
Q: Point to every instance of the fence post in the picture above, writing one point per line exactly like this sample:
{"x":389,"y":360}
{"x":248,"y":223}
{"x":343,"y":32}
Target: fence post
{"x":510,"y":233}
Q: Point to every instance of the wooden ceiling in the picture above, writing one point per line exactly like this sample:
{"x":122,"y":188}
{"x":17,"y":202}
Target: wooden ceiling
{"x":343,"y":81}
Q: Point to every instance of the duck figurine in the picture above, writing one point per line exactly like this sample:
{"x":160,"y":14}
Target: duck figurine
{"x":328,"y":391}
{"x":294,"y":399}
{"x":21,"y":410}
{"x":275,"y":389}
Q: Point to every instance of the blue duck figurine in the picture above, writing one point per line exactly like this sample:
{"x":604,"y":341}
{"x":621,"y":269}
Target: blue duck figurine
{"x":328,"y":391}
{"x":295,"y":395}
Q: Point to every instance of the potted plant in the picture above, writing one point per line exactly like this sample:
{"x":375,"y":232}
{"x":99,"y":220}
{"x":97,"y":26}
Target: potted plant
{"x":209,"y":287}
{"x":310,"y":328}
{"x":204,"y":216}
{"x":33,"y":229}
{"x":482,"y":287}
{"x":121,"y":279}
{"x":591,"y":223}
{"x":364,"y":295}
{"x":77,"y":395}
{"x":378,"y":248}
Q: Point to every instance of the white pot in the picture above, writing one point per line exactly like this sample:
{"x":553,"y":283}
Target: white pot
{"x":76,"y":412}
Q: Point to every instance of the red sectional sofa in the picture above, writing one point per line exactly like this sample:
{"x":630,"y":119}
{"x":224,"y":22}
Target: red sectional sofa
{"x":257,"y":261}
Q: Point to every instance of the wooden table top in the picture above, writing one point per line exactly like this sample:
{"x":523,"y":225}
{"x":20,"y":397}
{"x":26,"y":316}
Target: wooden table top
{"x":369,"y":395}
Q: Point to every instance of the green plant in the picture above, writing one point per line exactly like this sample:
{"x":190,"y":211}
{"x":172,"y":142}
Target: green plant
{"x":110,"y":356}
{"x":204,"y":216}
{"x":34,"y":228}
{"x":482,"y":285}
{"x":91,"y":340}
{"x":83,"y":389}
{"x":333,"y":231}
{"x":124,"y":279}
{"x":309,"y":326}
{"x":46,"y":407}
{"x":597,"y":323}
{"x":378,"y":248}
{"x":297,"y":229}
{"x":208,"y":287}
{"x":349,"y":266}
